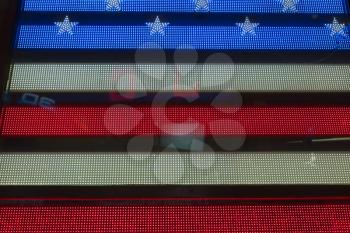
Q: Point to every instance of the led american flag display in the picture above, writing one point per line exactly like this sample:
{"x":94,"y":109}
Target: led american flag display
{"x":177,"y":115}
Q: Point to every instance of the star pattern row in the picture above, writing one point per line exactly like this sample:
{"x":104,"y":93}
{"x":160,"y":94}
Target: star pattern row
{"x":188,"y":6}
{"x":247,"y":27}
{"x":204,"y":5}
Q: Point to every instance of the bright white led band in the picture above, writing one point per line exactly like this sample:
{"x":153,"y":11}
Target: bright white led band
{"x":182,"y":77}
{"x":186,"y":169}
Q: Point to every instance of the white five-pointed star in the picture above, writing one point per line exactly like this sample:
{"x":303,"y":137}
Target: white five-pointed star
{"x":157,"y":27}
{"x":289,"y":5}
{"x":113,"y":5}
{"x":66,"y":26}
{"x":337,"y":28}
{"x":202,"y":5}
{"x":247,"y":27}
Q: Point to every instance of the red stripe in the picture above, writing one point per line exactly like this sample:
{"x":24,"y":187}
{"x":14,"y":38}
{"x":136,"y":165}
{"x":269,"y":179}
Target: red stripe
{"x":104,"y":121}
{"x":177,"y":218}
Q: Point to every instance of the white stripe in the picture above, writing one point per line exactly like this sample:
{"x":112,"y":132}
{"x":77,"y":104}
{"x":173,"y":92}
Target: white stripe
{"x":155,"y":77}
{"x":175,"y":168}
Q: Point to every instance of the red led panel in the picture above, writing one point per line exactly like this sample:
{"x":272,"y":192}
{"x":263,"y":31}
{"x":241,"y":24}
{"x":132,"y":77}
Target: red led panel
{"x":177,"y":218}
{"x":109,"y":121}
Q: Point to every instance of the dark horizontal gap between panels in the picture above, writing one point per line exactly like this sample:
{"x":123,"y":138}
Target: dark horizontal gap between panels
{"x":181,"y":19}
{"x":191,"y":98}
{"x":147,"y":56}
{"x":52,"y":202}
{"x":175,"y":191}
{"x":175,"y":144}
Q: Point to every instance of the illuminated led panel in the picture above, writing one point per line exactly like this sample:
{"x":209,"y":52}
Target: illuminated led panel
{"x":179,"y":77}
{"x":174,"y":168}
{"x":104,"y":217}
{"x":197,"y":37}
{"x":125,"y":120}
{"x":257,"y":6}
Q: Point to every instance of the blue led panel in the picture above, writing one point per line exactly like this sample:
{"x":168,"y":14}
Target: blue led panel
{"x":71,"y":36}
{"x":256,"y":6}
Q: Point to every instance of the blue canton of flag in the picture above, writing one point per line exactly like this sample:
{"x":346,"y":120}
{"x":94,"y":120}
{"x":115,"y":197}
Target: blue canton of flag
{"x":254,"y":31}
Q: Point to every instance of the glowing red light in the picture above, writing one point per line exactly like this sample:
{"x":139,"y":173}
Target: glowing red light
{"x":124,"y":120}
{"x":177,"y":218}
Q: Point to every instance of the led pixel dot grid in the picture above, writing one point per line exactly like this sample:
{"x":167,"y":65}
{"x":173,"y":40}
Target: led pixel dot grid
{"x":234,"y":6}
